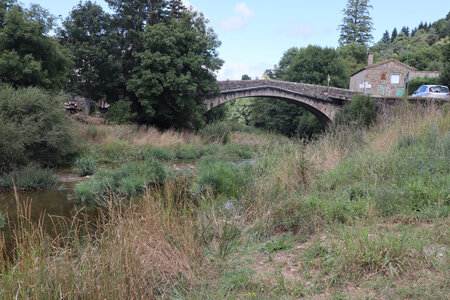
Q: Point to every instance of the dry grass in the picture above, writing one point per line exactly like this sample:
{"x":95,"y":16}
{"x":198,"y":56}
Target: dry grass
{"x":105,"y":134}
{"x":136,"y":253}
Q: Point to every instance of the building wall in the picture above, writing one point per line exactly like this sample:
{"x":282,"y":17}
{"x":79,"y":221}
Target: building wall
{"x":356,"y":80}
{"x":429,"y":74}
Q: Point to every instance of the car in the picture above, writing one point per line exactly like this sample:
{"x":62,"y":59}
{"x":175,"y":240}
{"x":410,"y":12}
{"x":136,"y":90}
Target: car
{"x":432,"y":91}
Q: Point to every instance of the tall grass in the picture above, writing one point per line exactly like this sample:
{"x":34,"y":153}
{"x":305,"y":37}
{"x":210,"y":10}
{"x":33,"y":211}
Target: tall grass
{"x":141,"y":252}
{"x":105,"y":134}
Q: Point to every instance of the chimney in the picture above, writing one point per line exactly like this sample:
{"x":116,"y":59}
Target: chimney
{"x":370,"y":59}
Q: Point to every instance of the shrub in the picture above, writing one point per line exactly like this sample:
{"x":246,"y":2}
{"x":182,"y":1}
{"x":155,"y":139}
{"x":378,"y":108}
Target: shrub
{"x":120,"y":112}
{"x":361,"y":111}
{"x":85,"y":165}
{"x":33,"y":129}
{"x":31,"y":177}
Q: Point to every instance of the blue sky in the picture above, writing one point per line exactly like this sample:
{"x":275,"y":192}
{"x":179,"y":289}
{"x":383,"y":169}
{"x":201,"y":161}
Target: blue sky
{"x":256,"y":33}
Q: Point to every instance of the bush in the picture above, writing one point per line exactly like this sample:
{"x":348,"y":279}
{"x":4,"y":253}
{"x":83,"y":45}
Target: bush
{"x":31,"y":177}
{"x":85,"y":165}
{"x":361,"y":111}
{"x":120,"y":113}
{"x":415,"y":83}
{"x":33,"y":129}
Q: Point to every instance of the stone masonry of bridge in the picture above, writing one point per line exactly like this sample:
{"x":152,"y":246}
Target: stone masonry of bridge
{"x":322,"y":101}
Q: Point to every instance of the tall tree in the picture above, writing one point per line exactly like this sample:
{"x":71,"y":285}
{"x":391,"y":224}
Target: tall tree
{"x":405,"y":30}
{"x":130,"y":18}
{"x":386,"y":38}
{"x":394,"y":34}
{"x":89,"y":34}
{"x":28,"y":57}
{"x":357,"y":24}
{"x":175,"y":72}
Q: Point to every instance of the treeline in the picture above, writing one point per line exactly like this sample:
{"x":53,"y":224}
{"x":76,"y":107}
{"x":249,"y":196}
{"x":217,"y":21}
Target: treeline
{"x":423,"y":45}
{"x":154,"y":60}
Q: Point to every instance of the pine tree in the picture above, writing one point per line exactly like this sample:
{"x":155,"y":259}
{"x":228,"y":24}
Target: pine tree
{"x":405,"y":30}
{"x":386,"y":38}
{"x":394,"y":34}
{"x":357,"y":24}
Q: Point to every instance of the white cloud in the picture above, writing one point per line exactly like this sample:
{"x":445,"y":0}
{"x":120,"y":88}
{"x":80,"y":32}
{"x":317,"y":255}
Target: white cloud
{"x":234,"y":71}
{"x":242,"y":10}
{"x":239,"y":20}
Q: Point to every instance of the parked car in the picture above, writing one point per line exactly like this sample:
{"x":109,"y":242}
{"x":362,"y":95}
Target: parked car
{"x":432,"y":91}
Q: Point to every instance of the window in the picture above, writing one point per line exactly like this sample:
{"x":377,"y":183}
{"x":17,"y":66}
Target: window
{"x":422,"y":89}
{"x":383,"y":76}
{"x":395,"y":78}
{"x":399,"y":92}
{"x":382,"y":90}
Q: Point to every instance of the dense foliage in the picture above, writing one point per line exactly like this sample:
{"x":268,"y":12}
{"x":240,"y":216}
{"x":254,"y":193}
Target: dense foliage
{"x":274,"y":115}
{"x":33,"y":128}
{"x":28,"y":57}
{"x":361,"y":111}
{"x":93,"y":42}
{"x":424,"y":45}
{"x":175,"y":72}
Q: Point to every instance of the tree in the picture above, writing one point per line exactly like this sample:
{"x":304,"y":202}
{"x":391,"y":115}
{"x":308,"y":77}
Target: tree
{"x":312,"y":65}
{"x":175,"y":72}
{"x":28,"y":57}
{"x":357,"y":24}
{"x":245,"y":77}
{"x":89,"y":34}
{"x":386,"y":38}
{"x":405,"y":30}
{"x":394,"y":34}
{"x":445,"y":75}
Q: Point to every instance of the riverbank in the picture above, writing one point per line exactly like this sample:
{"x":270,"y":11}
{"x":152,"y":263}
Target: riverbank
{"x":353,"y":214}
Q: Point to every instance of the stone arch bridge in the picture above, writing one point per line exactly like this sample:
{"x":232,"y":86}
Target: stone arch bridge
{"x":322,"y":101}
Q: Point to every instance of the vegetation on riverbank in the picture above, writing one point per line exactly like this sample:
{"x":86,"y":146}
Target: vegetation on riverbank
{"x":354,"y":213}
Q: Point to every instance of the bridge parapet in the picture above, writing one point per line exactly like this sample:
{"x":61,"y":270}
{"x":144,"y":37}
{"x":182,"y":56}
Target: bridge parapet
{"x":313,"y":91}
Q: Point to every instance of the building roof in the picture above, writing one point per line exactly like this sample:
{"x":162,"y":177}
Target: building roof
{"x":382,"y":63}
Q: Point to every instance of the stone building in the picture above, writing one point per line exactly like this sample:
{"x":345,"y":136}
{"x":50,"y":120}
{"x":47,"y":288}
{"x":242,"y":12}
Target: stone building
{"x":386,"y":78}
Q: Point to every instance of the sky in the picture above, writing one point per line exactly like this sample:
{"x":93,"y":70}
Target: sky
{"x":256,"y":33}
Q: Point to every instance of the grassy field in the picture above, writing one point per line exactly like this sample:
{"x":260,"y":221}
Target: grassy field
{"x":353,"y":214}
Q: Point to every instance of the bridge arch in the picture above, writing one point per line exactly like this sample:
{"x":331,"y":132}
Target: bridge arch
{"x":323,"y":108}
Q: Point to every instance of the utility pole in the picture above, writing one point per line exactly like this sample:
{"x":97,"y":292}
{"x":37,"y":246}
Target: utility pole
{"x":406,"y":75}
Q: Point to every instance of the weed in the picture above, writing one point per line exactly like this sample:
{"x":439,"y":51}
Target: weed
{"x":85,"y":165}
{"x":278,"y":244}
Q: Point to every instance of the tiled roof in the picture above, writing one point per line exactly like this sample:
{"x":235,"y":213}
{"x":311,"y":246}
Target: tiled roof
{"x":382,"y":63}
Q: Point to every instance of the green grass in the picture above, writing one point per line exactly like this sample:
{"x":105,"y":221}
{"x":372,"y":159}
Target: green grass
{"x":85,"y":165}
{"x":30,"y":177}
{"x":128,"y":180}
{"x":218,"y":177}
